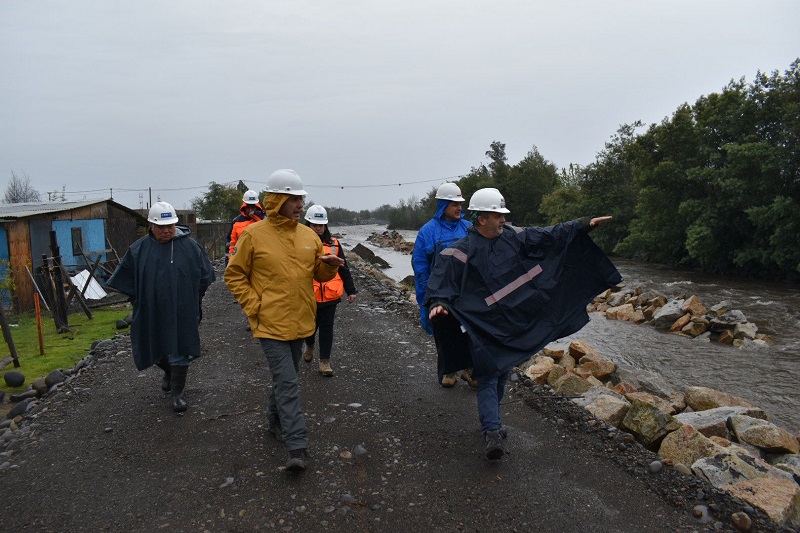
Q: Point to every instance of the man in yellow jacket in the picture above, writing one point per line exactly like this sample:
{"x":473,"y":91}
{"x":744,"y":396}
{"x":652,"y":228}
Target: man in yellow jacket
{"x":271,"y":273}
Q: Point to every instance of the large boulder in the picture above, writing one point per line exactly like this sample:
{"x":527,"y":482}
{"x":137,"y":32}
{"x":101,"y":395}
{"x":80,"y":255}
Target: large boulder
{"x":668,"y":314}
{"x":665,"y":406}
{"x":556,"y":372}
{"x":745,"y":330}
{"x":727,"y":321}
{"x":763,"y":434}
{"x":682,"y":321}
{"x":54,"y":377}
{"x":687,"y":445}
{"x":702,"y":398}
{"x":601,"y":369}
{"x":790,"y":462}
{"x":696,"y":326}
{"x":625,"y":312}
{"x":571,"y":385}
{"x":694,"y":306}
{"x":778,"y":498}
{"x":733,"y":466}
{"x":644,"y":380}
{"x":712,"y":422}
{"x":368,"y":255}
{"x":19,"y":408}
{"x":648,"y":424}
{"x":610,"y":408}
{"x":554,"y":353}
{"x":578,"y":349}
{"x":720,"y":309}
{"x":540,"y":368}
{"x":14,"y":378}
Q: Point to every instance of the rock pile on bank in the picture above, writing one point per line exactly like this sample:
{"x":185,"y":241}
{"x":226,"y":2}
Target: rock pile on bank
{"x":720,"y":438}
{"x":391,"y":239}
{"x":681,"y":315}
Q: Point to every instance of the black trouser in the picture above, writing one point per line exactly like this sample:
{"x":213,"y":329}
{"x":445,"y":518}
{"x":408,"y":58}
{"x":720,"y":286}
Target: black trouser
{"x":325,"y":315}
{"x":452,"y":346}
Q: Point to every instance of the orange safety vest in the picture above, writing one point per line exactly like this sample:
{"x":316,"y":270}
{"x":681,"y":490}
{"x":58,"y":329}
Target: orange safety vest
{"x":329,"y":291}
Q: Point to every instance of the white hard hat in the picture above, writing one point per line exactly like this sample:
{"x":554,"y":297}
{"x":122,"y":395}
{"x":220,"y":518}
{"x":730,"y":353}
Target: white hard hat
{"x":285,"y":181}
{"x":250,"y":197}
{"x":449,"y":191}
{"x":316,"y":214}
{"x":162,"y":214}
{"x":488,"y":199}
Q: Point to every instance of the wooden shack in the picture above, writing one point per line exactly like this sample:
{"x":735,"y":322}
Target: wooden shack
{"x":85,"y":230}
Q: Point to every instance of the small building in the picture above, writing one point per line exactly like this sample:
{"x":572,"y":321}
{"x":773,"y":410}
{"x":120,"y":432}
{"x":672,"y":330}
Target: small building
{"x":85,"y":230}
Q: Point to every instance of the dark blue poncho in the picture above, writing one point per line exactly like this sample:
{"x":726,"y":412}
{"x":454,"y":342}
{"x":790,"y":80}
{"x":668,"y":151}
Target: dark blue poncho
{"x":518,"y":292}
{"x":166,"y":282}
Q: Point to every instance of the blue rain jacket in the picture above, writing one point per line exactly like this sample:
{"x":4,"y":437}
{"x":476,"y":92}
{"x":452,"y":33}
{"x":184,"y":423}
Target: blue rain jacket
{"x":518,"y":292}
{"x":165,"y":282}
{"x":436,"y":235}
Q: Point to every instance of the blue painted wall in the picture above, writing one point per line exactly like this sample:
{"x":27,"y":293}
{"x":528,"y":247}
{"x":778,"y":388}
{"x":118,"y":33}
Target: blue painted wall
{"x":4,"y":257}
{"x":94,"y":239}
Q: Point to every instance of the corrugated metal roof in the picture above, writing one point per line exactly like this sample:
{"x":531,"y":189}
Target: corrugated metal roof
{"x":29,"y":209}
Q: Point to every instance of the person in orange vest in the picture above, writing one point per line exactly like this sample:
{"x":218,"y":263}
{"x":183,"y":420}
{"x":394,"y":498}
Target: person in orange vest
{"x":328,"y":293}
{"x":250,"y":212}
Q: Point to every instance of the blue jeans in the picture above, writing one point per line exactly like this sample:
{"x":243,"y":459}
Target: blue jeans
{"x":283,"y":358}
{"x":490,"y":394}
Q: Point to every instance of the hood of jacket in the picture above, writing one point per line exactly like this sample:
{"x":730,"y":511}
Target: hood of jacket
{"x":180,"y":232}
{"x":441,"y":205}
{"x":256,"y":205}
{"x":272,"y":204}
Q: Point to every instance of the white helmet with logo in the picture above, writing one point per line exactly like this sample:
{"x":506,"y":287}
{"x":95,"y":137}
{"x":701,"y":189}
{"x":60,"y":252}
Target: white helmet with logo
{"x":316,"y":214}
{"x":250,"y":197}
{"x":162,"y":214}
{"x":488,"y":199}
{"x":285,"y":181}
{"x":449,"y":191}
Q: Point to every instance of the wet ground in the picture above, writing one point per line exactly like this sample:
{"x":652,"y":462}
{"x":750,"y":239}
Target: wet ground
{"x":390,"y":449}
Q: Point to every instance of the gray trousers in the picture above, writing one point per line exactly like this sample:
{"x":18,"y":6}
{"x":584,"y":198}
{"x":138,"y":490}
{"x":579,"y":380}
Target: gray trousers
{"x":283,"y":358}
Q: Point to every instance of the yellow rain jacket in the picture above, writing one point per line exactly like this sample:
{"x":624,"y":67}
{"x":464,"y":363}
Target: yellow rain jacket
{"x":271,"y":274}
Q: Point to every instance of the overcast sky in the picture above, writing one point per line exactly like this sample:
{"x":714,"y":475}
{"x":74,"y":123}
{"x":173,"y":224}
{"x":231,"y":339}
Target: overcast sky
{"x":365,"y":95}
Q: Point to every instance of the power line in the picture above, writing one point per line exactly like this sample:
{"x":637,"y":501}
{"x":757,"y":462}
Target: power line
{"x":233,"y":182}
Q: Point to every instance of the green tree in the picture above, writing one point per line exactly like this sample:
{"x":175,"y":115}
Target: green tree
{"x":497,"y":163}
{"x":221,"y":202}
{"x":527,"y":183}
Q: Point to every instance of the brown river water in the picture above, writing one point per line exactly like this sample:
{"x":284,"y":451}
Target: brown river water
{"x":766,"y":376}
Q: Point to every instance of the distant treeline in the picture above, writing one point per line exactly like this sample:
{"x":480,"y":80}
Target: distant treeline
{"x":716,"y":186}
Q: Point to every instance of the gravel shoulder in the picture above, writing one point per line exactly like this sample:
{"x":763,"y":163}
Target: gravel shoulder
{"x":106,"y":452}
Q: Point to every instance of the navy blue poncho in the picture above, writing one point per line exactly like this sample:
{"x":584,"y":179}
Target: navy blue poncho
{"x":518,"y":292}
{"x":165,"y":282}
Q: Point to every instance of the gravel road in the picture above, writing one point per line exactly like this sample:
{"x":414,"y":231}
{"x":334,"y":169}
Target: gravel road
{"x":390,"y":449}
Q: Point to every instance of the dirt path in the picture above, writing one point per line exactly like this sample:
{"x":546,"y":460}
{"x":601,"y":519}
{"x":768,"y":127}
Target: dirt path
{"x":108,"y":454}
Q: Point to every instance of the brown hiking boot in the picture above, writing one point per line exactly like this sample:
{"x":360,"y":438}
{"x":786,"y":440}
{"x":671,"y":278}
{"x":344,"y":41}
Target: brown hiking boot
{"x":466,"y":375}
{"x":449,"y":380}
{"x":325,"y":367}
{"x":308,"y":355}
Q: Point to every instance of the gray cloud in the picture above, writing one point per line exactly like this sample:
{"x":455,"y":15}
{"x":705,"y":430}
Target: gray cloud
{"x":173,"y":95}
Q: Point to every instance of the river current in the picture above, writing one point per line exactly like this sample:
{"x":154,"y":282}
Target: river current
{"x":766,"y":376}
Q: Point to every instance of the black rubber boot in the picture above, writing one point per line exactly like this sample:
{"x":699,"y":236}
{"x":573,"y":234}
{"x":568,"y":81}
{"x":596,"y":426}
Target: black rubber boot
{"x":177,"y":383}
{"x":165,"y":381}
